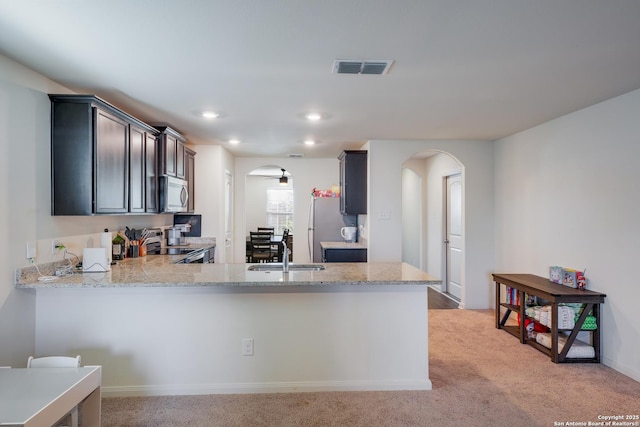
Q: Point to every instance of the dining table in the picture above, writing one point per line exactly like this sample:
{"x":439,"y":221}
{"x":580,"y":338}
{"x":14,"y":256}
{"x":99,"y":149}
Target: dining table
{"x":38,"y":397}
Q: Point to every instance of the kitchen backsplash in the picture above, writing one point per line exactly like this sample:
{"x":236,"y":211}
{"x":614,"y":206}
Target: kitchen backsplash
{"x":47,"y":262}
{"x":74,"y":246}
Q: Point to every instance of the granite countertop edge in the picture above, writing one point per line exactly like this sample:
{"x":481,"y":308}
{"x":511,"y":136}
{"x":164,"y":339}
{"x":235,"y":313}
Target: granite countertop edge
{"x":309,"y":284}
{"x":158,"y":272}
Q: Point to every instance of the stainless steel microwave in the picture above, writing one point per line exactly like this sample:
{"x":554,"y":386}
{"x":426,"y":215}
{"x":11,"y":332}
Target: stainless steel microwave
{"x":174,"y":194}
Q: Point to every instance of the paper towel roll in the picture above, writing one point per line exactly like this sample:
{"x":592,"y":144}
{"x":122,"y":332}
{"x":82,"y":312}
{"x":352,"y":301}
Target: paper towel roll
{"x":106,"y":242}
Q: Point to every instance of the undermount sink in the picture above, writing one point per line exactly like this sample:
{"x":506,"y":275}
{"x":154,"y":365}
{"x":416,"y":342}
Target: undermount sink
{"x":292,"y":267}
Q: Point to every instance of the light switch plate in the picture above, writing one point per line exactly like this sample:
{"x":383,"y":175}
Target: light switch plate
{"x":31,"y":250}
{"x":385,"y":214}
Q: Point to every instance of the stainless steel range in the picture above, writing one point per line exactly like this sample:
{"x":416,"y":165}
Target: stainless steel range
{"x":194,"y":253}
{"x":201,"y":255}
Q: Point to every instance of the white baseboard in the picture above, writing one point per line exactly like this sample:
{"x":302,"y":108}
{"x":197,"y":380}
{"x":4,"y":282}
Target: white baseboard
{"x":625,"y":370}
{"x":274,"y":387}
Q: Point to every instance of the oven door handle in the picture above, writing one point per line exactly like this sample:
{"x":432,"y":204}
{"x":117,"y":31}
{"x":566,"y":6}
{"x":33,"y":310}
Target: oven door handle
{"x":195,"y":257}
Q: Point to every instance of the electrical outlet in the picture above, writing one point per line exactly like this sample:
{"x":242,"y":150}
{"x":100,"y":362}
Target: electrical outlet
{"x":247,"y":347}
{"x":56,"y":246}
{"x":31,"y":250}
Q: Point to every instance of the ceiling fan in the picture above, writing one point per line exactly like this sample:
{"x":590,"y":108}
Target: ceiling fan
{"x":283,"y":179}
{"x":272,"y":172}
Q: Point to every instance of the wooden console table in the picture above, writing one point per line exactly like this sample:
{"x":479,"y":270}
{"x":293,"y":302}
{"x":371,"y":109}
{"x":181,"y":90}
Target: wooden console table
{"x":529,"y":284}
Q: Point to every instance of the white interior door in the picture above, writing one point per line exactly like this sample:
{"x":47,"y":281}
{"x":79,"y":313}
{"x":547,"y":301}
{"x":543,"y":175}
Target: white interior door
{"x":228,"y":215}
{"x":453,"y":239}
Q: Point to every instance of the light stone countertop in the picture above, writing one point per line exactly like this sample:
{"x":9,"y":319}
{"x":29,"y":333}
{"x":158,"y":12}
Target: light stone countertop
{"x":342,"y":245}
{"x":159,"y":271}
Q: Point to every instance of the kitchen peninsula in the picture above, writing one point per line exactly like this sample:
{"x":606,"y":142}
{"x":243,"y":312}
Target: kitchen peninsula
{"x":163,"y":328}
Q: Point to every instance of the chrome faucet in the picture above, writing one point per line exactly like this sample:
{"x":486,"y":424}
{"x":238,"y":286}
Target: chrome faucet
{"x":285,"y":258}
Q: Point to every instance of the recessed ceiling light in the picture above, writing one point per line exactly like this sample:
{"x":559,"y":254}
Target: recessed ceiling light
{"x":313,"y":116}
{"x":309,"y":142}
{"x":210,"y":115}
{"x":234,"y":141}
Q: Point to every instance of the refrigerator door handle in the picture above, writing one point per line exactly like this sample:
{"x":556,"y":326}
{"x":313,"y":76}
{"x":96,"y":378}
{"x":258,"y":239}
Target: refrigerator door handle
{"x":310,"y":230}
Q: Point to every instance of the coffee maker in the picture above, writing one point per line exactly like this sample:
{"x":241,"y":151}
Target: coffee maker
{"x":175,"y":236}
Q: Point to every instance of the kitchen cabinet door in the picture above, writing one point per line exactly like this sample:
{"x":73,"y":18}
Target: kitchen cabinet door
{"x":72,"y":142}
{"x":151,"y":173}
{"x":172,"y":160}
{"x":137,"y":162}
{"x":344,"y":255}
{"x":112,"y":163}
{"x":169,"y":154}
{"x":190,"y":167}
{"x":353,"y":182}
{"x":180,"y":160}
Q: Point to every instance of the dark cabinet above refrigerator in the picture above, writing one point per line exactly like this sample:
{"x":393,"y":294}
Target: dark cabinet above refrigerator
{"x":353,"y":182}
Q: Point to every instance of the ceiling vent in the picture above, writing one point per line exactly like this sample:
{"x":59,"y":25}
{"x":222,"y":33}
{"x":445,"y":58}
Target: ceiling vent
{"x":296,"y":155}
{"x":344,"y":66}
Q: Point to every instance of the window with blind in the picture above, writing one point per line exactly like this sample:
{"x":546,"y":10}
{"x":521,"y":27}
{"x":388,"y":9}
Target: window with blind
{"x":280,"y":209}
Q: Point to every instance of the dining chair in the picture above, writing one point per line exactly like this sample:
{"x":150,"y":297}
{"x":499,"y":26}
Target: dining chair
{"x":275,"y":248}
{"x":58,"y":362}
{"x":260,"y":246}
{"x":269,"y":230}
{"x":277,"y":254}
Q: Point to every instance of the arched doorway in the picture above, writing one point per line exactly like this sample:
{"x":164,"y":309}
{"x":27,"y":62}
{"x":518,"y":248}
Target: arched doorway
{"x":431,"y":214}
{"x":269,"y":199}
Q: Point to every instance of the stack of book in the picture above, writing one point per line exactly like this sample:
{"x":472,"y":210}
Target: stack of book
{"x":567,"y":277}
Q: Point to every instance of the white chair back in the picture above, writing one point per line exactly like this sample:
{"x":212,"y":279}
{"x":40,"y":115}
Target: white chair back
{"x":58,"y":362}
{"x":53,"y":362}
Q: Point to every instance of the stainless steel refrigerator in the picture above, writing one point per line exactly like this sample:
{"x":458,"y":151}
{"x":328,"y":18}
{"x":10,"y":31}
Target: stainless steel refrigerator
{"x":325,"y":222}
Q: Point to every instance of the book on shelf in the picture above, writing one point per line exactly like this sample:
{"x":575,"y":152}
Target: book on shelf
{"x":556,"y":274}
{"x":512,"y":296}
{"x":567,"y":277}
{"x":581,"y":280}
{"x":574,"y":279}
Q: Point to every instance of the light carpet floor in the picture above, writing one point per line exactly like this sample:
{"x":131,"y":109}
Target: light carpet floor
{"x":481,"y":377}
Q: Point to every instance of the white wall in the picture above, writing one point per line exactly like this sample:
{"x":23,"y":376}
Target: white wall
{"x":188,"y":340}
{"x":437,"y":167}
{"x":307,"y":174}
{"x":211,"y":162}
{"x":567,"y":194}
{"x":432,"y":171}
{"x":385,"y":235}
{"x":24,"y":124}
{"x":412,"y":218}
{"x":256,"y":197}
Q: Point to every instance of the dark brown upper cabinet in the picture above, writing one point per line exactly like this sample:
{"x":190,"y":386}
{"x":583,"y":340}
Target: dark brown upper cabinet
{"x":99,"y":159}
{"x":172,"y":159}
{"x":190,"y":170}
{"x":152,"y":188}
{"x":143,"y":171}
{"x":353,"y":182}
